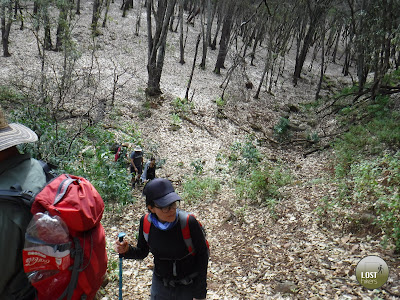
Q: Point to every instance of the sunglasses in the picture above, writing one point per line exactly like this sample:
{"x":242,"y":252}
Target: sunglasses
{"x":166,"y":209}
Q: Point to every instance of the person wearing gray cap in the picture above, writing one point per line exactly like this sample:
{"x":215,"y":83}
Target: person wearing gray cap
{"x":180,"y":271}
{"x":16,"y":169}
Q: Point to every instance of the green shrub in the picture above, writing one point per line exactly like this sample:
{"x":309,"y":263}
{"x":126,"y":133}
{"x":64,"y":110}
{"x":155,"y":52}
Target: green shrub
{"x":80,"y":149}
{"x":199,"y":189}
{"x":198,"y":166}
{"x":263,"y":184}
{"x":375,"y":186}
{"x":182,"y":106}
{"x":281,"y":130}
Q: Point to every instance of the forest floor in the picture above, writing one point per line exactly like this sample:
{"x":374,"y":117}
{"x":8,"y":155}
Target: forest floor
{"x":255,"y":254}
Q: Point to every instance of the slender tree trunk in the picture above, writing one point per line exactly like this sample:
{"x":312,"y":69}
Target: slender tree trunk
{"x":210,"y":19}
{"x":224,"y":41}
{"x":96,"y":17}
{"x":213,"y":45}
{"x":181,"y":42}
{"x":193,"y":66}
{"x":6,"y":21}
{"x":205,"y":45}
{"x":321,"y":76}
{"x":106,"y":13}
{"x":78,"y":7}
{"x":156,"y":51}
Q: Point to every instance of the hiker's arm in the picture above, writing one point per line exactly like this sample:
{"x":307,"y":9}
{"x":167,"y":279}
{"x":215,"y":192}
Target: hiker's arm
{"x":139,"y":252}
{"x":202,"y":254}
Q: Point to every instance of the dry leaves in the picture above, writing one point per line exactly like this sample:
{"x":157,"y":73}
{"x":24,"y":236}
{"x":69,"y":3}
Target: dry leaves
{"x":254,"y":255}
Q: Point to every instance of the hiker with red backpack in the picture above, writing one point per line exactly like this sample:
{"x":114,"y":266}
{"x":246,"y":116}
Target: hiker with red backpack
{"x":52,"y":244}
{"x":177,"y":241}
{"x":16,"y":169}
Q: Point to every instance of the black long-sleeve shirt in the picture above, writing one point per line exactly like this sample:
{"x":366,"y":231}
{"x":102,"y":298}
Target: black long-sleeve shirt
{"x":169,"y":248}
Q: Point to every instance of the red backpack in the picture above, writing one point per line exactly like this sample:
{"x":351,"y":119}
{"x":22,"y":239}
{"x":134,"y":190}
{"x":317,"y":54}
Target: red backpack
{"x":184,"y":221}
{"x":79,"y":205}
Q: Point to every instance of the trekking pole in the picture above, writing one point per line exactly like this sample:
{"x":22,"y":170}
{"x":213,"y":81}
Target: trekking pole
{"x":121,"y":238}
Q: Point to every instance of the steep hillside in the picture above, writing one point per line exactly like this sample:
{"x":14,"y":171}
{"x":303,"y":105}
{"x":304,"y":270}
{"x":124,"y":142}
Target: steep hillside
{"x":256,"y":253}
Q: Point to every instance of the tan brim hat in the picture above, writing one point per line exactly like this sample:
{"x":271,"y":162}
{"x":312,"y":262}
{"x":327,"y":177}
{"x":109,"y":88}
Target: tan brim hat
{"x":15,"y":134}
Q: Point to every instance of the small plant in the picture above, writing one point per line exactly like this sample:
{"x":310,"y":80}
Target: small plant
{"x":198,"y":189}
{"x":281,"y":130}
{"x":198,"y":166}
{"x":182,"y":106}
{"x":263,"y":184}
{"x":176,"y":121}
{"x":220,"y":102}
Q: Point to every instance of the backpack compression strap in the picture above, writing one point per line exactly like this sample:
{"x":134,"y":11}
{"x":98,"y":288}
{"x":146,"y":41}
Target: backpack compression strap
{"x":184,"y":222}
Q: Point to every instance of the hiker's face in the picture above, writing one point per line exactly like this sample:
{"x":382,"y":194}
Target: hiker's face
{"x":165,"y":214}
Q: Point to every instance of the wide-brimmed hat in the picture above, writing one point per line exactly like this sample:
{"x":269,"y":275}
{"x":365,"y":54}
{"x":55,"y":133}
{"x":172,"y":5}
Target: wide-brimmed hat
{"x":137,"y":149}
{"x":160,"y":191}
{"x":14,"y":134}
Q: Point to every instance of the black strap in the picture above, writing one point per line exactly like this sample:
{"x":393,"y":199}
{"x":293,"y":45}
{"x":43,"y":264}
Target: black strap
{"x":78,"y":261}
{"x":17,"y":195}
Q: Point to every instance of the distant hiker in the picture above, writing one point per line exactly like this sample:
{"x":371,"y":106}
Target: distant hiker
{"x":149,"y":171}
{"x":136,"y":165}
{"x":177,"y":242}
{"x":16,"y":169}
{"x":121,"y":155}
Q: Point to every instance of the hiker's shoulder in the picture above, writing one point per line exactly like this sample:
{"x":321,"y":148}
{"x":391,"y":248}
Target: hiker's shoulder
{"x":25,"y":171}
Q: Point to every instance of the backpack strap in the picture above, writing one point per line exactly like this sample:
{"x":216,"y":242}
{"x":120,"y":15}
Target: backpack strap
{"x":76,"y":269}
{"x":146,"y":226}
{"x":184,"y":221}
{"x":17,"y":195}
{"x":48,"y":169}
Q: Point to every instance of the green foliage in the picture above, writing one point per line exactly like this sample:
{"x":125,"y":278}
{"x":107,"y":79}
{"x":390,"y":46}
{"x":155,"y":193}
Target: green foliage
{"x":198,"y":166}
{"x":375,"y":187}
{"x":176,"y":121}
{"x":392,"y":78}
{"x":182,"y":106}
{"x":199,"y":189}
{"x":281,"y":130}
{"x":263,"y":184}
{"x":7,"y":94}
{"x":368,"y":167}
{"x":220,"y":102}
{"x":243,"y":156}
{"x":381,"y":132}
{"x":80,"y":149}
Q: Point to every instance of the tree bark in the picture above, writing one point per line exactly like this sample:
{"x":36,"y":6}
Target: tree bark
{"x":156,"y":43}
{"x":6,"y":21}
{"x":193,"y":66}
{"x":224,"y":41}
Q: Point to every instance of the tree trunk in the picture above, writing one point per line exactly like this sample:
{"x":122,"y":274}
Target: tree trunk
{"x":321,"y":77}
{"x":156,"y":43}
{"x":224,"y":41}
{"x":78,"y":7}
{"x":181,"y":42}
{"x":96,"y":16}
{"x":62,"y":24}
{"x":301,"y":58}
{"x":205,"y":44}
{"x":6,"y":21}
{"x":193,"y":66}
{"x":106,"y":13}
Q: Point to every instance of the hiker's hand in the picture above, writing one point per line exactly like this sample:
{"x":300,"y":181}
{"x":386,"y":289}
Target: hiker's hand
{"x":121,"y":247}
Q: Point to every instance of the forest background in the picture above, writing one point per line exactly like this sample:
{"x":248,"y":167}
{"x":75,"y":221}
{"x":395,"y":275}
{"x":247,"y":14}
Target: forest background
{"x":277,"y":121}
